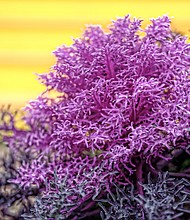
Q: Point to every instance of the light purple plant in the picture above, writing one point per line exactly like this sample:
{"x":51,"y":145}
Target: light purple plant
{"x":120,"y":96}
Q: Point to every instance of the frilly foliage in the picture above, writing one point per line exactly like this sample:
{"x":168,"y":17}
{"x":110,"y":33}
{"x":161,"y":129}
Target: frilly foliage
{"x":163,"y":198}
{"x":122,"y":103}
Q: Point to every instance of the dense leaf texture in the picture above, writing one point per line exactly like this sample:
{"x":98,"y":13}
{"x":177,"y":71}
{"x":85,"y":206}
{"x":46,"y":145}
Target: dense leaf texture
{"x":119,"y":96}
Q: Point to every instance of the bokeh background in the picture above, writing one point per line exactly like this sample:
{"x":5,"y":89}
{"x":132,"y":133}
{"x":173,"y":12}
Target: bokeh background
{"x":31,"y":29}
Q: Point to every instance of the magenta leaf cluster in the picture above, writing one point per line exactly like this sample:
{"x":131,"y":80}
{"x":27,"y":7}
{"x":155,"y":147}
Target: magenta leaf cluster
{"x":122,"y":103}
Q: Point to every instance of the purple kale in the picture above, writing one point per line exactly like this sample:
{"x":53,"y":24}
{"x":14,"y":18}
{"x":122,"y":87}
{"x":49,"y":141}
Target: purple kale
{"x":113,"y":98}
{"x":119,"y":94}
{"x":14,"y":200}
{"x":64,"y":200}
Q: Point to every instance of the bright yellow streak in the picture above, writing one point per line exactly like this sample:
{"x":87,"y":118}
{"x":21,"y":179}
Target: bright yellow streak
{"x":30,"y":30}
{"x":94,"y":9}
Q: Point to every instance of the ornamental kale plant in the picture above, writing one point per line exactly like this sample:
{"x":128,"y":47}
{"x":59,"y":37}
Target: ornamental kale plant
{"x":122,"y":110}
{"x":164,"y":198}
{"x":169,"y":196}
{"x":13,"y":199}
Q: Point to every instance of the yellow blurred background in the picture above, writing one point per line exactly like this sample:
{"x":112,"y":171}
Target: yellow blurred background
{"x":31,"y":29}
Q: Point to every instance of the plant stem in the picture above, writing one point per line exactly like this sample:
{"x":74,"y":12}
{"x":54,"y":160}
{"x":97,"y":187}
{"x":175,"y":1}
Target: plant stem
{"x":179,"y":174}
{"x":139,"y":177}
